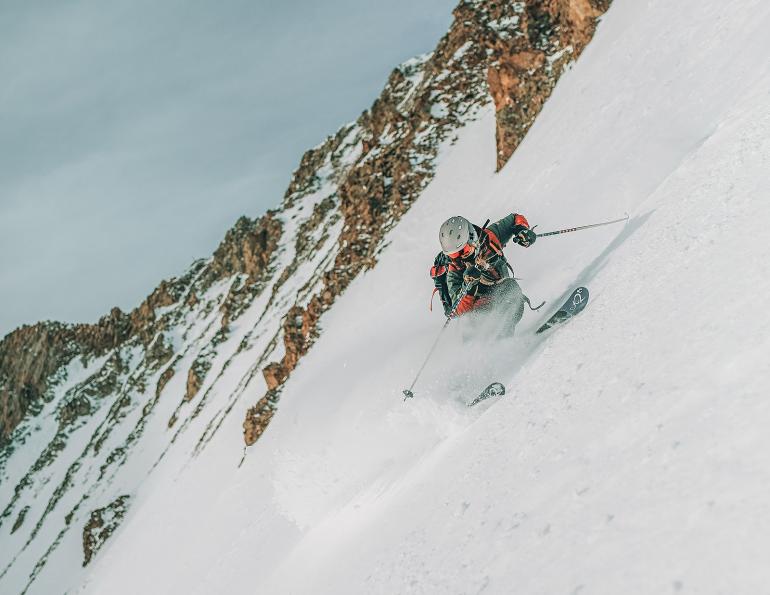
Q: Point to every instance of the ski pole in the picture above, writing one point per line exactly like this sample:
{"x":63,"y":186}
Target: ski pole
{"x":408,"y":394}
{"x":553,"y":233}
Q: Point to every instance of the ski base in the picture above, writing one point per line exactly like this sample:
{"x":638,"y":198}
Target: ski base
{"x":573,"y":306}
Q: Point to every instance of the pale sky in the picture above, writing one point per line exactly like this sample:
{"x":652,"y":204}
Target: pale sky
{"x":134,"y":133}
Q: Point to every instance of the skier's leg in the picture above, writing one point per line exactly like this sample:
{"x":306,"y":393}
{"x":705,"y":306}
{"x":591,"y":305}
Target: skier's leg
{"x":517,"y":302}
{"x":510,"y":303}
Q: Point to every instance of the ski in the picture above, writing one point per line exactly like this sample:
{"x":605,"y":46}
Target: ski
{"x":574,"y":305}
{"x":496,"y":389}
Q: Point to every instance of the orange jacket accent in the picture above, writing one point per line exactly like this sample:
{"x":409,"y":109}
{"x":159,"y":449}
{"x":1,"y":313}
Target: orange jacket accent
{"x":465,"y":305}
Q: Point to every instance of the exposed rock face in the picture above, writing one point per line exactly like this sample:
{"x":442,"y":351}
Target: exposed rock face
{"x":101,"y":525}
{"x":78,"y":407}
{"x":167,"y":375}
{"x":96,"y":388}
{"x":258,"y":416}
{"x":246,"y":252}
{"x":298,"y":326}
{"x":30,"y":355}
{"x":195,"y":377}
{"x":534,"y":41}
{"x":20,"y":519}
{"x":246,"y":249}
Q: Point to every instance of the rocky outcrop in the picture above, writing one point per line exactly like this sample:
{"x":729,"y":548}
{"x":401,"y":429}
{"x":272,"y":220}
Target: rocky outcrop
{"x":77,"y":407}
{"x":195,"y":377}
{"x":31,"y":355}
{"x":529,"y":44}
{"x":298,"y":326}
{"x":28,"y":357}
{"x":258,"y":416}
{"x":164,"y":379}
{"x":20,"y":519}
{"x":101,"y":525}
{"x":245,"y":250}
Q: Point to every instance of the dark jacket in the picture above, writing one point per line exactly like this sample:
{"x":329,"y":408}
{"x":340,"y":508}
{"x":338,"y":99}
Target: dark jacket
{"x":493,"y":239}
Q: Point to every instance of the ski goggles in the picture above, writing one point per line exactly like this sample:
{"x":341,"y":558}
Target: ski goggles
{"x":465,"y":252}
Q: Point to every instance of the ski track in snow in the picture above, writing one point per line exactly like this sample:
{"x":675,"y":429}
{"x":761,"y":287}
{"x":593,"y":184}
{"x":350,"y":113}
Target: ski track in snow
{"x":629,"y":455}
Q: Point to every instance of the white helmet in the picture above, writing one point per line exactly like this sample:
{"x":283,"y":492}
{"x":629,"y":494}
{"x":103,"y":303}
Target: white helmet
{"x":455,"y":233}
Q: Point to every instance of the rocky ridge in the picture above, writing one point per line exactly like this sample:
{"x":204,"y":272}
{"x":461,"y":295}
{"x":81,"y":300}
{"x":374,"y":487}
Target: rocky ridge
{"x":75,"y":400}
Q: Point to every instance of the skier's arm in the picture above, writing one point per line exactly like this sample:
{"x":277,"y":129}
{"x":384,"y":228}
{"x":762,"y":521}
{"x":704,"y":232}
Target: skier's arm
{"x":439,"y":272}
{"x":454,"y":281}
{"x":511,"y":227}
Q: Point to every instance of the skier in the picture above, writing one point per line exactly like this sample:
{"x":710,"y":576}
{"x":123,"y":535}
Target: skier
{"x":471,"y":272}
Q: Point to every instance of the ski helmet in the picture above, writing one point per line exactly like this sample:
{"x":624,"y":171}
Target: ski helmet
{"x":455,"y":233}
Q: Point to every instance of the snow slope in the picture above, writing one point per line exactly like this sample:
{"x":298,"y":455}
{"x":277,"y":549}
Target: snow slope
{"x":630,"y":453}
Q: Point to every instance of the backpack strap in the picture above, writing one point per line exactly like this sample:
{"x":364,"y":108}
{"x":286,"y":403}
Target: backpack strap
{"x":437,"y":271}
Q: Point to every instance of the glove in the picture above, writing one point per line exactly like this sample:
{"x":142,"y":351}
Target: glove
{"x":472,"y":275}
{"x":526,"y":237}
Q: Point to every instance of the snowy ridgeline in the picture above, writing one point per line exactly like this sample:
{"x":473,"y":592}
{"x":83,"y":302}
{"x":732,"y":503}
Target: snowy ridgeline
{"x":629,"y":452}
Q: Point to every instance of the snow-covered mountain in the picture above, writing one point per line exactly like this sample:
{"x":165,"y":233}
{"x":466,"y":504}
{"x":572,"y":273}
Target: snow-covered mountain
{"x":629,"y":453}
